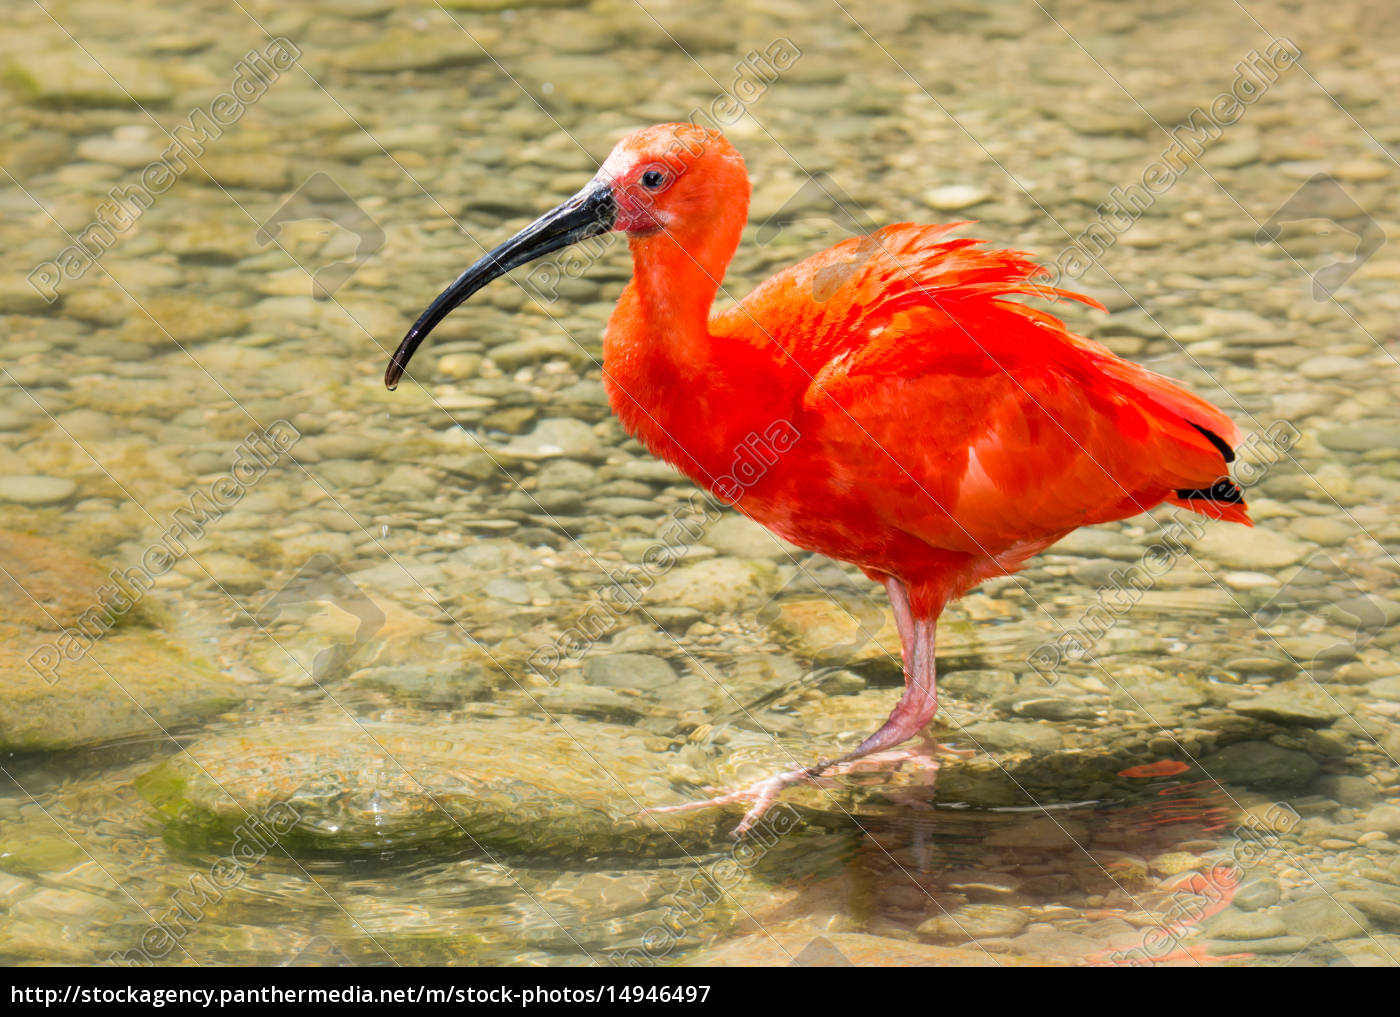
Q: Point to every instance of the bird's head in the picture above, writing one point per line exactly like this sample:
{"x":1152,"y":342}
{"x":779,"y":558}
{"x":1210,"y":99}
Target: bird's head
{"x":671,"y":180}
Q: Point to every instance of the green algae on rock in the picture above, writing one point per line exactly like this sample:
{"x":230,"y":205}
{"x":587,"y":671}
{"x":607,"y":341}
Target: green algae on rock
{"x":518,"y":785}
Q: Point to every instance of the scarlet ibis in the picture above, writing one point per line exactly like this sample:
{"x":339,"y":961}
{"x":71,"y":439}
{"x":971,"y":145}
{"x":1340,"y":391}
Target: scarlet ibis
{"x":942,"y":433}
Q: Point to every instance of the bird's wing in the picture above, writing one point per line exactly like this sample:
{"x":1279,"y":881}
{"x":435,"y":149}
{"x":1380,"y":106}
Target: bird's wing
{"x":976,"y":421}
{"x":836,"y":301}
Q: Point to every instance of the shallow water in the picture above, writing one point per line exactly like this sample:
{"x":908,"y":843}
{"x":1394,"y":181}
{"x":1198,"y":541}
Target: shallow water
{"x":404,"y":674}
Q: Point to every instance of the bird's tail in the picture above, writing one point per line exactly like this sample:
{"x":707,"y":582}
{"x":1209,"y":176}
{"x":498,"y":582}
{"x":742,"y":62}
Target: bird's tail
{"x":1196,"y":441}
{"x":1231,"y":511}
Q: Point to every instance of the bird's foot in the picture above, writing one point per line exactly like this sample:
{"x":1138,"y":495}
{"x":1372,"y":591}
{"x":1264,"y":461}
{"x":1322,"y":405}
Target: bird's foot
{"x":761,"y":795}
{"x":920,"y":758}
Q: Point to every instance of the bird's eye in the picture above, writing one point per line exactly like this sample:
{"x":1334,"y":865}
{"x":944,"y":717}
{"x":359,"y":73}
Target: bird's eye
{"x":652,"y":179}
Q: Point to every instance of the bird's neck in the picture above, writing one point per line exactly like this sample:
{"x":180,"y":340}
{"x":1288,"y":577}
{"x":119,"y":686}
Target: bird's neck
{"x":675,"y":278}
{"x":663,"y":370}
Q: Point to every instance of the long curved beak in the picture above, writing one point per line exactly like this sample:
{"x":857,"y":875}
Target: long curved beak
{"x":587,"y":214}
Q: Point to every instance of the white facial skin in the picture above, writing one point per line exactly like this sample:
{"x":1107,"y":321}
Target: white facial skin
{"x":637,"y":211}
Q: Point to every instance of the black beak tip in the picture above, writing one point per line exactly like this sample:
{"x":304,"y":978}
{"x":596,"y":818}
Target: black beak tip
{"x":588,"y":213}
{"x":393,"y":374}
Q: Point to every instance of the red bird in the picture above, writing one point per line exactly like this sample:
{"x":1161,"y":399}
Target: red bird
{"x":937,"y":433}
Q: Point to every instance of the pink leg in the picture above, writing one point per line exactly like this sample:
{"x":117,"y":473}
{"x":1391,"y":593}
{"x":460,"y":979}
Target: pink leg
{"x":919,"y":702}
{"x":913,"y":712}
{"x":903,"y":613}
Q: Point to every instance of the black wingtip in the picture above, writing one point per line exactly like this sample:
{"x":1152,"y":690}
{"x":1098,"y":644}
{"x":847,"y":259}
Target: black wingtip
{"x":1219,"y":442}
{"x":1222,"y":490}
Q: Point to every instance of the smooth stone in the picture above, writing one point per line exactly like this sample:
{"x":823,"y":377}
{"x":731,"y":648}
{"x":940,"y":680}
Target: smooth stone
{"x":556,"y":436}
{"x":161,"y":319}
{"x":1271,"y":946}
{"x":459,"y":366}
{"x":1360,"y":439}
{"x":741,"y":537}
{"x":1049,"y":708}
{"x":1162,"y":698}
{"x":1262,"y":892}
{"x":978,"y":683}
{"x":538,"y":349}
{"x":1259,"y":763}
{"x":640,"y":671}
{"x":29,"y":850}
{"x":975,"y":921}
{"x":717,"y":584}
{"x":36,"y":490}
{"x":512,"y":591}
{"x":259,"y":171}
{"x":1093,"y":542}
{"x":1175,"y":863}
{"x":1324,"y":918}
{"x":1250,"y":581}
{"x":1300,"y":705}
{"x":590,"y":701}
{"x":1010,"y":736}
{"x":1361,"y":170}
{"x":1324,"y":531}
{"x":1250,"y":549}
{"x":1332,"y":366}
{"x":1345,"y":789}
{"x":128,"y":685}
{"x":1382,"y":819}
{"x":427,"y":686}
{"x":18,"y":296}
{"x":70,"y":78}
{"x":229,"y":571}
{"x":46,"y":586}
{"x":399,"y":50}
{"x":613,"y":508}
{"x":1376,"y":906}
{"x":1385,"y":688}
{"x":1134,"y":321}
{"x":98,"y":306}
{"x":1055,"y":944}
{"x":1232,"y":155}
{"x":826,"y":631}
{"x":1379,"y":951}
{"x":953,"y":197}
{"x":406,"y":479}
{"x":1231,"y":924}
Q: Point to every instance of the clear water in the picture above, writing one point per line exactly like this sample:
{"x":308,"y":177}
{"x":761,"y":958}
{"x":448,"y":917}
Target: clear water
{"x":1212,"y":778}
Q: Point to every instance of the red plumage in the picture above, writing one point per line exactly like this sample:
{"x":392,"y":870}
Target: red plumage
{"x":947,"y":431}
